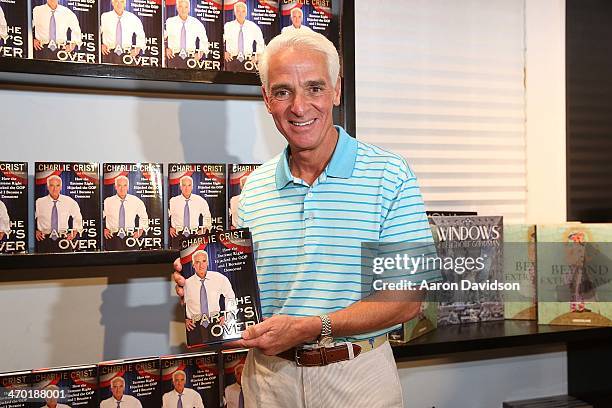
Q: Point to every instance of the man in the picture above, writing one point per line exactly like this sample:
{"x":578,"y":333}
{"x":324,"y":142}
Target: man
{"x":117,"y":27}
{"x":203,"y":291}
{"x":119,"y":399}
{"x":233,"y":395}
{"x":181,"y":396}
{"x":186,"y":209}
{"x":51,"y":402}
{"x":328,"y":194}
{"x":53,"y":213}
{"x":182,"y":32}
{"x":50,"y":23}
{"x":120,"y":212}
{"x":234,"y":205}
{"x":239,"y":36}
{"x":5,"y":221}
{"x":3,"y":26}
{"x":297,"y":16}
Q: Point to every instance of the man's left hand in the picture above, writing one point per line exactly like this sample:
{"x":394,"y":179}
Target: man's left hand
{"x":134,"y":52}
{"x":69,"y":47}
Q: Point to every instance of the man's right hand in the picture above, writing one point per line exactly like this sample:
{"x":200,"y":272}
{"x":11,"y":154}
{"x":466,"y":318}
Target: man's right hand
{"x":1,"y":235}
{"x":173,"y":232}
{"x":189,"y":324}
{"x":228,"y":57}
{"x":107,"y":233}
{"x":169,"y":53}
{"x":37,"y":45}
{"x":105,"y":50}
{"x":40,"y":235}
{"x":179,"y":280}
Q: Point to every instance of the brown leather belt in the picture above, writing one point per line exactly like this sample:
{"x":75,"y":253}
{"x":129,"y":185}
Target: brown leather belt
{"x":321,"y":356}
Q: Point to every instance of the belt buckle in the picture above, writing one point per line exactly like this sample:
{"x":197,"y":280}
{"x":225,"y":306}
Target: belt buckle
{"x":296,"y":357}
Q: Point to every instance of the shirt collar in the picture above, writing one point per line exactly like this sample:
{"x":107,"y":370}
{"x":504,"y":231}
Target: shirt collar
{"x":341,"y":164}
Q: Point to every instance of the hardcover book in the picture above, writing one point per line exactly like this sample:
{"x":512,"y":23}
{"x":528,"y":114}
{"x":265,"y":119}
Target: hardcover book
{"x":135,"y":382}
{"x":247,"y":25}
{"x":471,"y":251}
{"x":574,"y":267}
{"x":67,"y":207}
{"x":194,"y":376}
{"x":65,"y":30}
{"x":233,"y":365}
{"x":236,"y":175}
{"x":193,"y":34}
{"x":74,"y":386}
{"x":13,"y":29}
{"x":520,"y":267}
{"x":221,"y":292}
{"x":449,"y":213}
{"x":131,"y":32}
{"x":424,"y":322}
{"x":14,"y":215}
{"x":14,"y":389}
{"x":197,"y":194}
{"x":309,"y":15}
{"x":133,"y":209}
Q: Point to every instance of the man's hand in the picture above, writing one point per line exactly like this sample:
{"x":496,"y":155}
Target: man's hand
{"x":69,"y":47}
{"x":254,"y":58}
{"x":72,"y":235}
{"x":179,"y":280}
{"x":280,"y":333}
{"x":37,"y":45}
{"x":40,"y":235}
{"x":135,"y":51}
{"x":138,"y":233}
{"x":104,"y":49}
{"x":107,"y":234}
{"x":1,"y":235}
{"x":228,"y":57}
{"x":169,"y":53}
{"x":199,"y":55}
{"x":173,"y":232}
{"x":189,"y":324}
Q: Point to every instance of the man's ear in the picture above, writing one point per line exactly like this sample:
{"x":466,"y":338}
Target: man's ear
{"x":266,"y":98}
{"x":338,"y":91}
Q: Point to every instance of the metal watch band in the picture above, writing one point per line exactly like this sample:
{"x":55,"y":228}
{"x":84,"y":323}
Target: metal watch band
{"x":326,"y":329}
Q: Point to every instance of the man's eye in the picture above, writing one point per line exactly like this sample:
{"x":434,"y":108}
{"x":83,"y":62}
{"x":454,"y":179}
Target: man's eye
{"x":281,"y":94}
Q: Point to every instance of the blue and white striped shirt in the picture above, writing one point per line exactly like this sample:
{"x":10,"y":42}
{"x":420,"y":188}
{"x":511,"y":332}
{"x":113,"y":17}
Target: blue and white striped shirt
{"x":308,"y":239}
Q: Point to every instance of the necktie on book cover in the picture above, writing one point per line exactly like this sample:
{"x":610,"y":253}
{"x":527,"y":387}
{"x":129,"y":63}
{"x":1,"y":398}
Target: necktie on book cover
{"x":240,"y":45}
{"x":54,"y":221}
{"x":122,"y":220}
{"x":52,"y":32}
{"x":186,"y":219}
{"x":203,"y":301}
{"x":118,"y":38}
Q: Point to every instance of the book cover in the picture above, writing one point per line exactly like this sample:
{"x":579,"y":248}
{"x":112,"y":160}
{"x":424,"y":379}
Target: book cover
{"x":14,"y":389}
{"x":221,"y":292}
{"x":233,"y":365}
{"x":449,"y":213}
{"x":131,"y":32}
{"x":134,"y":382}
{"x":13,"y":29}
{"x":574,"y":281}
{"x":14,"y":214}
{"x":308,"y":15}
{"x":243,"y":32}
{"x":471,"y":252}
{"x":133,"y":209}
{"x":67,"y":207}
{"x":236,"y":175}
{"x":198,"y":193}
{"x":74,"y":386}
{"x":424,"y":322}
{"x":193,"y":34}
{"x":520,"y":267}
{"x":194,"y":376}
{"x":65,"y":30}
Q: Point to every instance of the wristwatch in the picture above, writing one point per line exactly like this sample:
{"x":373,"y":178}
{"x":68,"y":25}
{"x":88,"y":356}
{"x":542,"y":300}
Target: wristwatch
{"x":325,"y":338}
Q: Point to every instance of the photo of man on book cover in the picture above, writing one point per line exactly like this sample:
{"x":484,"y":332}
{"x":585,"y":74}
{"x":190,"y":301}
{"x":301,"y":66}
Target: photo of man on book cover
{"x":13,"y":29}
{"x":243,"y":37}
{"x":12,"y":383}
{"x":72,"y":387}
{"x":237,"y":175}
{"x":308,"y":16}
{"x":221,"y":293}
{"x":65,"y":30}
{"x":132,"y":209}
{"x":192,"y":379}
{"x":233,"y":365}
{"x":13,"y":207}
{"x":133,"y":383}
{"x":131,"y":32}
{"x":67,"y":207}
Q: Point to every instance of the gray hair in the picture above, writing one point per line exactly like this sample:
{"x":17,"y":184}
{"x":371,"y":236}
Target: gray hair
{"x":240,"y":4}
{"x":199,"y":252}
{"x":54,"y":177}
{"x":117,"y":379}
{"x":185,"y":177}
{"x":121,"y":177}
{"x":178,"y":372}
{"x":303,"y":40}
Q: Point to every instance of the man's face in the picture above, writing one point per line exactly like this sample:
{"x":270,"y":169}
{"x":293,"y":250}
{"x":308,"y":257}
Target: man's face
{"x":117,"y":389}
{"x":296,"y":18}
{"x":186,"y":187}
{"x":240,"y":12}
{"x":301,"y":98}
{"x":51,"y":402}
{"x":179,"y":383}
{"x":55,"y":187}
{"x":122,"y":188}
{"x":52,"y":4}
{"x":119,"y":6}
{"x":183,"y":9}
{"x":200,"y":264}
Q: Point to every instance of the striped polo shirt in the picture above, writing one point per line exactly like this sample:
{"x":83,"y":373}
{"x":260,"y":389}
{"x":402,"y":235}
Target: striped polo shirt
{"x":308,"y":239}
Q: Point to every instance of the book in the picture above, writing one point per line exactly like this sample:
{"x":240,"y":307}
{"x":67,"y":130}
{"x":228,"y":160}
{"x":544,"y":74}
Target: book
{"x":203,"y":40}
{"x":557,"y":401}
{"x":195,"y":376}
{"x":313,"y":15}
{"x":138,"y":40}
{"x":73,"y":386}
{"x":471,"y":252}
{"x":67,"y":207}
{"x":130,"y":380}
{"x":13,"y":29}
{"x":425,"y":322}
{"x":520,"y":267}
{"x":233,"y":365}
{"x":236,"y":177}
{"x":449,"y":213}
{"x":249,"y":17}
{"x":221,"y":292}
{"x":574,"y":285}
{"x":15,"y":389}
{"x":205,"y":185}
{"x":76,"y":33}
{"x":132,"y":208}
{"x":14,"y":214}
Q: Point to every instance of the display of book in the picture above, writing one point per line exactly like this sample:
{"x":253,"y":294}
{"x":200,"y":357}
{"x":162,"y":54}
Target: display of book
{"x":14,"y":214}
{"x":193,"y":376}
{"x":520,"y":267}
{"x":233,"y":365}
{"x":14,"y":29}
{"x":303,"y":15}
{"x":74,"y":386}
{"x":236,"y":177}
{"x":424,"y":322}
{"x":221,"y":292}
{"x":136,"y":381}
{"x":14,"y":388}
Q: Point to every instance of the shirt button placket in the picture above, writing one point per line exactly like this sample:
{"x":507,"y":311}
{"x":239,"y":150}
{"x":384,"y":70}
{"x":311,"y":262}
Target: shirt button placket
{"x":309,"y":219}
